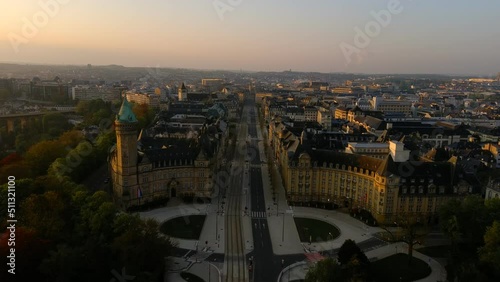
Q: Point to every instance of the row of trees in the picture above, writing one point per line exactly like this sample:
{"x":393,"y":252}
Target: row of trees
{"x":69,"y":155}
{"x":66,"y":233}
{"x":38,"y":157}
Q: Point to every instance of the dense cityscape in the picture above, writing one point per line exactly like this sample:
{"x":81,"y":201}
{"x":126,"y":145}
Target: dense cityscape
{"x":249,"y":141}
{"x":242,"y":171}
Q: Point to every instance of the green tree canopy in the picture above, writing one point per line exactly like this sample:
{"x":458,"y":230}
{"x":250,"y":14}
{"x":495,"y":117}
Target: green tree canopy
{"x":42,"y":154}
{"x":490,"y":252}
{"x":44,"y":213}
{"x":327,"y":270}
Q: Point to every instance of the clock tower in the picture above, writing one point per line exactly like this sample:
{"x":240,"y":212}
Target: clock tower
{"x":124,"y":160}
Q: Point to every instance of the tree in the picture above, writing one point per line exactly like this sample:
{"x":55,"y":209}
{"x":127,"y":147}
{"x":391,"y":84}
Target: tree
{"x":490,"y":252}
{"x":96,"y":214}
{"x":10,"y":159}
{"x":93,"y":111}
{"x":24,"y":188}
{"x":71,"y":138}
{"x":139,"y":247}
{"x":326,"y":270}
{"x":29,"y":251}
{"x":353,"y":260}
{"x":65,"y":263}
{"x":471,"y":216}
{"x":409,"y":231}
{"x":20,"y":169}
{"x":44,"y":214}
{"x":55,"y":124}
{"x":144,"y":114}
{"x":42,"y":154}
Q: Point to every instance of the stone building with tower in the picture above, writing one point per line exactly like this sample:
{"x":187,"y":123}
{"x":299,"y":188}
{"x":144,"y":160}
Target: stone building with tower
{"x":145,"y":169}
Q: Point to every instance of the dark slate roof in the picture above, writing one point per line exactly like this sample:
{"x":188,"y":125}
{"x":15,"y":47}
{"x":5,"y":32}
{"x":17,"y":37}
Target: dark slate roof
{"x":377,"y":124}
{"x":172,"y":154}
{"x":329,"y":156}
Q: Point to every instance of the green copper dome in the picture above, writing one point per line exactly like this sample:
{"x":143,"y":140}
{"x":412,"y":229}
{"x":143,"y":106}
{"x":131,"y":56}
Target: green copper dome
{"x":126,"y":114}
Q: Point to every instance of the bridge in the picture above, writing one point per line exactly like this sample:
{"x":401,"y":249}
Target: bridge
{"x":23,"y":118}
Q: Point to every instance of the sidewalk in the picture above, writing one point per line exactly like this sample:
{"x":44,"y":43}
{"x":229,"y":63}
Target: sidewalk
{"x":284,"y":236}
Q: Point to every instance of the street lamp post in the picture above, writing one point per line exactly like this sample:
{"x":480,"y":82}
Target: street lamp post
{"x":277,"y":203}
{"x":283,"y":230}
{"x":330,"y":235}
{"x":209,"y":272}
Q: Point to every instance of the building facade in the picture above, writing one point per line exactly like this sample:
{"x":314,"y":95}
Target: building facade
{"x":384,"y":187}
{"x":142,"y":174}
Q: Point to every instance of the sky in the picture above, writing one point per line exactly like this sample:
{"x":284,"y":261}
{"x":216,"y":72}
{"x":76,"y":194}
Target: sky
{"x":419,"y":36}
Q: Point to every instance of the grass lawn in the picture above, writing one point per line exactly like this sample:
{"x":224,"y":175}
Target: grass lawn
{"x":191,"y":277}
{"x":184,"y":227}
{"x":395,"y":268}
{"x":440,"y":251}
{"x":316,"y":230}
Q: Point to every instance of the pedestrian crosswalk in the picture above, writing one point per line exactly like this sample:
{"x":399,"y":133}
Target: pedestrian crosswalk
{"x":258,"y":214}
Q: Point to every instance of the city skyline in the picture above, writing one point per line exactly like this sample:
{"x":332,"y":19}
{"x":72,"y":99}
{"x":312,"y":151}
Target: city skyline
{"x":253,"y":36}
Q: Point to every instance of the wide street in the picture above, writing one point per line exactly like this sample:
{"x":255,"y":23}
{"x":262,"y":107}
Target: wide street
{"x":235,"y":265}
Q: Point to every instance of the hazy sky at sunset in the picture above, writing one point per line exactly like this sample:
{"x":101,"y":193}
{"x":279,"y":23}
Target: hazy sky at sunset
{"x":427,"y":36}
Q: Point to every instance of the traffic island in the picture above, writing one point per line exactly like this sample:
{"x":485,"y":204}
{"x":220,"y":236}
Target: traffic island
{"x":184,"y":227}
{"x":313,"y":230}
{"x":397,"y":268}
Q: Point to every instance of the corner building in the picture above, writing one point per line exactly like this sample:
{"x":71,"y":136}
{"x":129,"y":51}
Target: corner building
{"x":384,"y":187}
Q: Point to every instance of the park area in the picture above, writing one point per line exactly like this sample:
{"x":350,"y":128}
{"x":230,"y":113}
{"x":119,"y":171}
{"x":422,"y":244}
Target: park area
{"x":396,"y":268}
{"x":184,"y":227}
{"x":313,"y":230}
